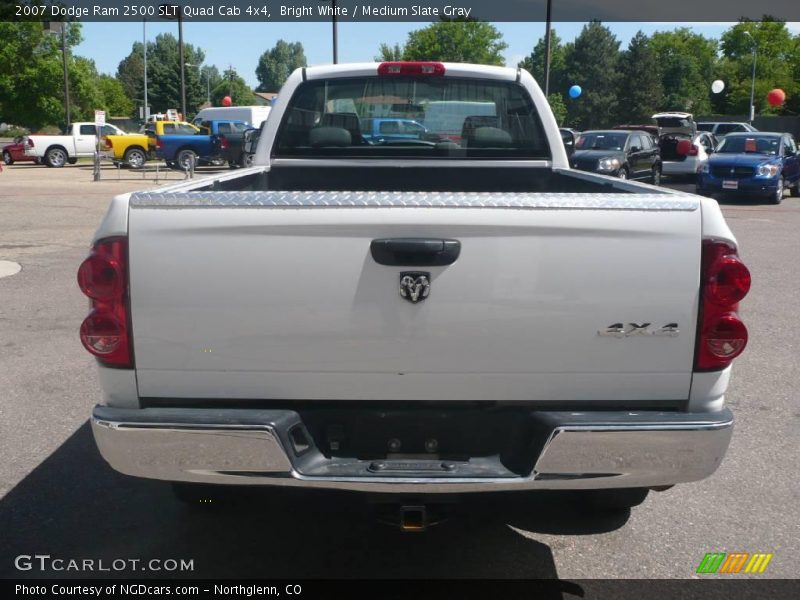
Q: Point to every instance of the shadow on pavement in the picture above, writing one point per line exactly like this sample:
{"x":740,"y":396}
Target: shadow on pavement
{"x":74,"y":506}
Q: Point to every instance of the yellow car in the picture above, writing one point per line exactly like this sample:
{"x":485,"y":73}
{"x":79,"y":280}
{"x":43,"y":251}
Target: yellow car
{"x":134,"y":150}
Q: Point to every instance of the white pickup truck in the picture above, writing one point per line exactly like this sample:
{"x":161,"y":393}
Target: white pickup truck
{"x":422,"y":314}
{"x":58,"y":150}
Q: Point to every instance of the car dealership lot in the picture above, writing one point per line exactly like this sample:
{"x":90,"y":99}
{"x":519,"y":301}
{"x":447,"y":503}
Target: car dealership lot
{"x":57,"y":496}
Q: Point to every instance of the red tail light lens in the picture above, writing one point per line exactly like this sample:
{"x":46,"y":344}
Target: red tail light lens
{"x":694,"y":150}
{"x":419,"y":68}
{"x":29,"y":143}
{"x":725,"y":280}
{"x":223,"y":142}
{"x":159,"y":143}
{"x":103,"y":277}
{"x":107,"y":144}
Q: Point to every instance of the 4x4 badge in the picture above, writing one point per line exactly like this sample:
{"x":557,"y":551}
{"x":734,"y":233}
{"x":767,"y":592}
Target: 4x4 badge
{"x":623,"y":330}
{"x":415,"y":285}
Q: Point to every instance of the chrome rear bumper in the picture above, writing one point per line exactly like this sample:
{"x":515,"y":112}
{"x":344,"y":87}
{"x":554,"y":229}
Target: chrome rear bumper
{"x":581,"y":450}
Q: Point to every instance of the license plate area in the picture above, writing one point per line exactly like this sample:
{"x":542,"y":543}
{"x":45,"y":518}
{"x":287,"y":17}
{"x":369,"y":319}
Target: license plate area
{"x":730,"y":184}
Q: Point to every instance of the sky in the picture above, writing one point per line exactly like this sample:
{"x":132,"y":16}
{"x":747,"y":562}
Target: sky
{"x":240,"y":44}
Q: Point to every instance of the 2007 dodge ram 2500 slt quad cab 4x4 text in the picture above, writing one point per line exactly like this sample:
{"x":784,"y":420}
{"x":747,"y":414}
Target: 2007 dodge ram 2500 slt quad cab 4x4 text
{"x":415,"y":316}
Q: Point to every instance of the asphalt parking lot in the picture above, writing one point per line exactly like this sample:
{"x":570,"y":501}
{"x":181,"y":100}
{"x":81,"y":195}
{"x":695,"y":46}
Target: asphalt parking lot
{"x":58,"y":497}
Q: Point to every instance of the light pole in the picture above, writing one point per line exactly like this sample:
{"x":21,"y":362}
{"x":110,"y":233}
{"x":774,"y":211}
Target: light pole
{"x":753,"y":81}
{"x":182,"y":58}
{"x":547,"y":48}
{"x":335,"y":34}
{"x":146,"y":109}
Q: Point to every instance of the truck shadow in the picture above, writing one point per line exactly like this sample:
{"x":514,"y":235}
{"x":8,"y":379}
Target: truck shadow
{"x":74,"y":506}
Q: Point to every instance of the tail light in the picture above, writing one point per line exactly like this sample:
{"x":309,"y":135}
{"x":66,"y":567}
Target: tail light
{"x":29,"y":143}
{"x":107,"y":144}
{"x":725,"y":280}
{"x":223,"y":142}
{"x":428,"y":69}
{"x":103,"y":277}
{"x":693,"y":151}
{"x":159,"y":143}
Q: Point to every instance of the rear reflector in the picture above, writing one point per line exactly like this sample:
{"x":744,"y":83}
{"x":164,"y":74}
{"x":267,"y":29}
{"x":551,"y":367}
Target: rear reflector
{"x":427,"y":69}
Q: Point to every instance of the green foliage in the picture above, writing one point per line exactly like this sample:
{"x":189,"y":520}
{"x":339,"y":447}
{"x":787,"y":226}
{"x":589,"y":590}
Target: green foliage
{"x":534,"y":62}
{"x":465,"y":41}
{"x":559,"y":108}
{"x":593,"y":63}
{"x":234,"y":86}
{"x":115,"y":101}
{"x":644,"y":94}
{"x":389,"y":53}
{"x":275,"y":65}
{"x":163,"y":75}
{"x":687,"y":62}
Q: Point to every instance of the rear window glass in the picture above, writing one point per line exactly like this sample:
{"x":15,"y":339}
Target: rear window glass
{"x":748,"y":143}
{"x":432,"y":117}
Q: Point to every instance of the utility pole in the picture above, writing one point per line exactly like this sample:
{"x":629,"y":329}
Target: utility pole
{"x":335,"y":35}
{"x":146,"y":110}
{"x":547,"y":48}
{"x":183,"y":64}
{"x":66,"y":72}
{"x":752,"y":114}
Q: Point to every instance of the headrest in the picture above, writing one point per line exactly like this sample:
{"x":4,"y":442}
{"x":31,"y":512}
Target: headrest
{"x":329,"y":136}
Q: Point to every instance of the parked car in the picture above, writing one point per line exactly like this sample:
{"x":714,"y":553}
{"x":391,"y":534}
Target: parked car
{"x":58,"y":150}
{"x":752,"y":164}
{"x":683,"y":150}
{"x":722,"y":128}
{"x":134,"y":150}
{"x":619,"y":153}
{"x":387,"y":129}
{"x":15,"y":152}
{"x":194,"y":144}
{"x":414,"y":320}
{"x":254,"y":116}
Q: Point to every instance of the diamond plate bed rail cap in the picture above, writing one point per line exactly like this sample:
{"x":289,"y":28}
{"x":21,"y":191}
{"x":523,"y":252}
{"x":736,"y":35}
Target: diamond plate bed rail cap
{"x":523,"y":200}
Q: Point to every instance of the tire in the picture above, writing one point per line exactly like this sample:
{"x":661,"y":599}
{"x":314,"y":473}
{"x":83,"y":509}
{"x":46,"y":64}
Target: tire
{"x":623,"y":173}
{"x":56,"y":157}
{"x":135,"y":158}
{"x":616,"y":499}
{"x":184,"y":159}
{"x":777,"y":197}
{"x":37,"y":161}
{"x":655,"y":176}
{"x":72,"y":161}
{"x":794,"y":191}
{"x":7,"y":158}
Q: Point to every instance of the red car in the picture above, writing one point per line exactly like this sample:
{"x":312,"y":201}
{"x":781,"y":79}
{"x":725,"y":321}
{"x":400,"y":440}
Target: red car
{"x":15,"y":152}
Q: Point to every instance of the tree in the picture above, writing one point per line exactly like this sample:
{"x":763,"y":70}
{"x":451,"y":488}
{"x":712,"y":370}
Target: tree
{"x":687,"y":61}
{"x":389,"y":53}
{"x":777,"y":55}
{"x":534,"y":62}
{"x":558,"y":107}
{"x":234,"y":86}
{"x":644,"y":93}
{"x":457,"y":40}
{"x":163,"y":74}
{"x":115,"y":101}
{"x":593,"y":63}
{"x":275,"y":65}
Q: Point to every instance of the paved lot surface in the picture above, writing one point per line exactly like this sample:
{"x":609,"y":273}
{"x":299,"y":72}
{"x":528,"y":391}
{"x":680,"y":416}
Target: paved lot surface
{"x":57,"y":497}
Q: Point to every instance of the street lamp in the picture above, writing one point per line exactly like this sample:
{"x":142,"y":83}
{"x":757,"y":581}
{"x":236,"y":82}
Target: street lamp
{"x":208,"y":80}
{"x":61,"y":27}
{"x":175,"y":11}
{"x":753,"y":82}
{"x":547,"y":48}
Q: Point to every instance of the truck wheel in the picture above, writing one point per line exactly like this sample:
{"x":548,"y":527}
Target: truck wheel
{"x":185,"y":159}
{"x":55,"y":157}
{"x":134,"y":158}
{"x":616,"y":499}
{"x":7,"y":158}
{"x":777,"y":197}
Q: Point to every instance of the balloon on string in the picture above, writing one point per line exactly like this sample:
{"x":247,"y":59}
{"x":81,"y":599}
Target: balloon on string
{"x":776,"y":97}
{"x":717,"y":86}
{"x":227,"y":101}
{"x":575,"y":91}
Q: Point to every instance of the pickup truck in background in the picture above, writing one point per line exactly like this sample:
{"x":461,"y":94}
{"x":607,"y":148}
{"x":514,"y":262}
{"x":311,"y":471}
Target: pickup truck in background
{"x":187,"y":149}
{"x":388,"y":129}
{"x":414,"y":317}
{"x":58,"y":150}
{"x":134,"y":150}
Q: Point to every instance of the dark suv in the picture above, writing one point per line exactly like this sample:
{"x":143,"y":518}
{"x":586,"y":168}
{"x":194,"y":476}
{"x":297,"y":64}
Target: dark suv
{"x":619,"y":153}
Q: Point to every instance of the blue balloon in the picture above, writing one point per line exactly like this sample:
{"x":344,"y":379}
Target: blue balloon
{"x":575,"y":91}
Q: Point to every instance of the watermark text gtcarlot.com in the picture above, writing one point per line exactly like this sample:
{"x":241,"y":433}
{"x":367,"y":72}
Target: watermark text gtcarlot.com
{"x":46,"y":562}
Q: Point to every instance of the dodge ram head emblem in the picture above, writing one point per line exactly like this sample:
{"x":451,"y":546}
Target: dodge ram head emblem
{"x":415,"y":285}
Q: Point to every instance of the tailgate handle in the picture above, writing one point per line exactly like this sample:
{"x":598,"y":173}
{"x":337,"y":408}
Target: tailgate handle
{"x":415,"y":252}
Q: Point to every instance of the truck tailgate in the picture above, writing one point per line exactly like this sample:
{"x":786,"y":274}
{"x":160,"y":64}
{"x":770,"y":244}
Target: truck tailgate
{"x":270,"y":295}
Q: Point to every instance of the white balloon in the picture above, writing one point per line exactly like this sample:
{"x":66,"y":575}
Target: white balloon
{"x":718,"y":86}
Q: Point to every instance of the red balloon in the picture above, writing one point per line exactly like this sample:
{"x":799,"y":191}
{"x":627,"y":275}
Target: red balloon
{"x":226,"y":101}
{"x":776,"y":97}
{"x":683,"y":147}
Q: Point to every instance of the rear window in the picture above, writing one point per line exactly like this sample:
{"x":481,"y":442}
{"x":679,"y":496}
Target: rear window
{"x":705,"y":127}
{"x":439,"y":117}
{"x":746,"y":143}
